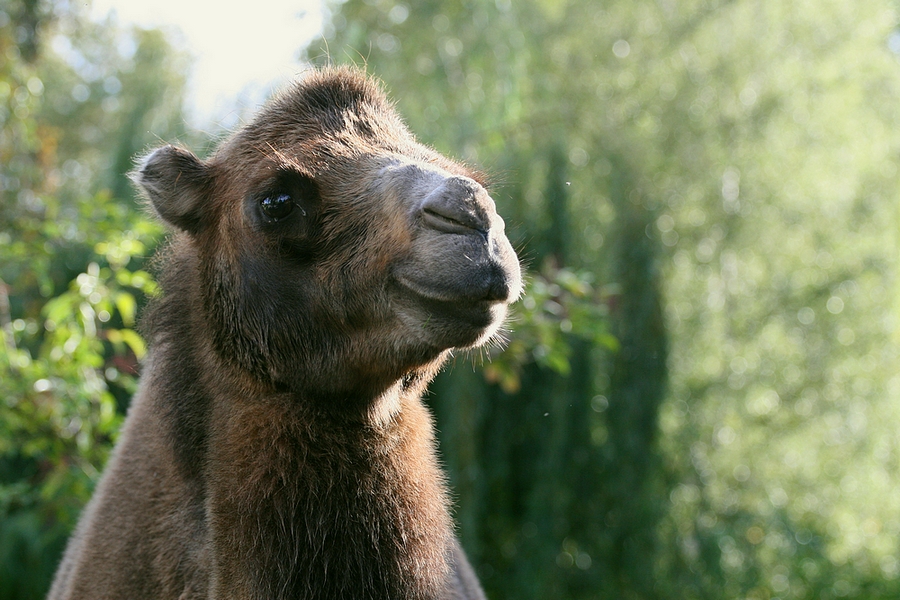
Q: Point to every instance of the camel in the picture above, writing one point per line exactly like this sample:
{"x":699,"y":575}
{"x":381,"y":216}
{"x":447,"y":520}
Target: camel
{"x":322,"y":266}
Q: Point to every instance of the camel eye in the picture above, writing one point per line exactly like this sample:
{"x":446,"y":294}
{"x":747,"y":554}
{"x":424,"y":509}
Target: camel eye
{"x":277,"y":207}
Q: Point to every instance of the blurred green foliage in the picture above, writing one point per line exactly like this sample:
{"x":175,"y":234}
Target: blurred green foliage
{"x":72,"y":263}
{"x":699,"y":390}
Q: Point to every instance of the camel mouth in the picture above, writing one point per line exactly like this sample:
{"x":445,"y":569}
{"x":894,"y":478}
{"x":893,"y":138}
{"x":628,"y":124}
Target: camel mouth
{"x":486,"y":293}
{"x":466,"y":268}
{"x":454,"y":289}
{"x":456,"y":321}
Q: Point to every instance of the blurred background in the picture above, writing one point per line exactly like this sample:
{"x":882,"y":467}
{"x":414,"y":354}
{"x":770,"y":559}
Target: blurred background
{"x":700,"y":396}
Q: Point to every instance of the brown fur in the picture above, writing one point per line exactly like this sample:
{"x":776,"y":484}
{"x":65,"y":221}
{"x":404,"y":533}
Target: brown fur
{"x":278,"y":447}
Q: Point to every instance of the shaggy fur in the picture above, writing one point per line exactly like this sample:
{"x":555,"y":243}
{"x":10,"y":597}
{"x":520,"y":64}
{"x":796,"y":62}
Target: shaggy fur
{"x":322,"y":265}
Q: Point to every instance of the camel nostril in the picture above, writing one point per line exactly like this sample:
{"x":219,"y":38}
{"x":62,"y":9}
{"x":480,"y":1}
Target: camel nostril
{"x":453,"y":207}
{"x":456,"y":223}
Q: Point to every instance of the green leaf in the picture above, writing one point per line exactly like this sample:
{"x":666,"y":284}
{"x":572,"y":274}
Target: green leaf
{"x":127,"y":306}
{"x":134,"y":341}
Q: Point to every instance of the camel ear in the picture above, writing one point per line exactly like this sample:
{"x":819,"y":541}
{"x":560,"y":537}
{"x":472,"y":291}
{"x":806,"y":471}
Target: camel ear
{"x":176,"y":182}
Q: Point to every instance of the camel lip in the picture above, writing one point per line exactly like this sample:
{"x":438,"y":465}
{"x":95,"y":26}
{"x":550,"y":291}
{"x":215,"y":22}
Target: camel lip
{"x":479,"y":317}
{"x":433,"y":294}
